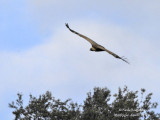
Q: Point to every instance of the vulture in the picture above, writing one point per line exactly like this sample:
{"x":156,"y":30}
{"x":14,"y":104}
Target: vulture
{"x":95,"y":46}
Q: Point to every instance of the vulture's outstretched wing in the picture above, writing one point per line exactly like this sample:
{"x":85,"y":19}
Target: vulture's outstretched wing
{"x":88,"y":39}
{"x":115,"y":55}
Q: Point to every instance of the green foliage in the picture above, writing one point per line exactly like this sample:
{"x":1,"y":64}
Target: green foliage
{"x":45,"y":107}
{"x":127,"y":105}
{"x":96,"y":106}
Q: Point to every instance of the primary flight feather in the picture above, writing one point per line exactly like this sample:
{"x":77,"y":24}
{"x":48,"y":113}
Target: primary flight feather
{"x":95,"y":46}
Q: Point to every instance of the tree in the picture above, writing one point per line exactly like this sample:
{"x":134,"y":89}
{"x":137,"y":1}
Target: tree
{"x":126,"y":105}
{"x":96,"y":106}
{"x":45,"y":107}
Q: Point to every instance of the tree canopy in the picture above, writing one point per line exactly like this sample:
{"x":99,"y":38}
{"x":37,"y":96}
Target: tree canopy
{"x":126,"y":105}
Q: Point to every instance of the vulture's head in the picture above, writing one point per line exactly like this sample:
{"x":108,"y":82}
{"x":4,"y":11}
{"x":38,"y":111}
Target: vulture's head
{"x":92,"y":49}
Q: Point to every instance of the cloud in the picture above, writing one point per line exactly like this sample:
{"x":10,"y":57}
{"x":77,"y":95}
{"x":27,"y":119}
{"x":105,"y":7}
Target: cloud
{"x":65,"y":59}
{"x":139,"y":17}
{"x":136,"y":10}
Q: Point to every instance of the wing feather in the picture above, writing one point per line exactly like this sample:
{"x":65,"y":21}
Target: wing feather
{"x":113,"y":54}
{"x":86,"y":38}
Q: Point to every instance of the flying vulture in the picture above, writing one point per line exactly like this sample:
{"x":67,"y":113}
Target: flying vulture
{"x":95,"y":46}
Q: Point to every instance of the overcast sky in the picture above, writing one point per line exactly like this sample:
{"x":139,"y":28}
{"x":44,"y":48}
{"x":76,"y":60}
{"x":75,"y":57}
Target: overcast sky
{"x":38,"y":53}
